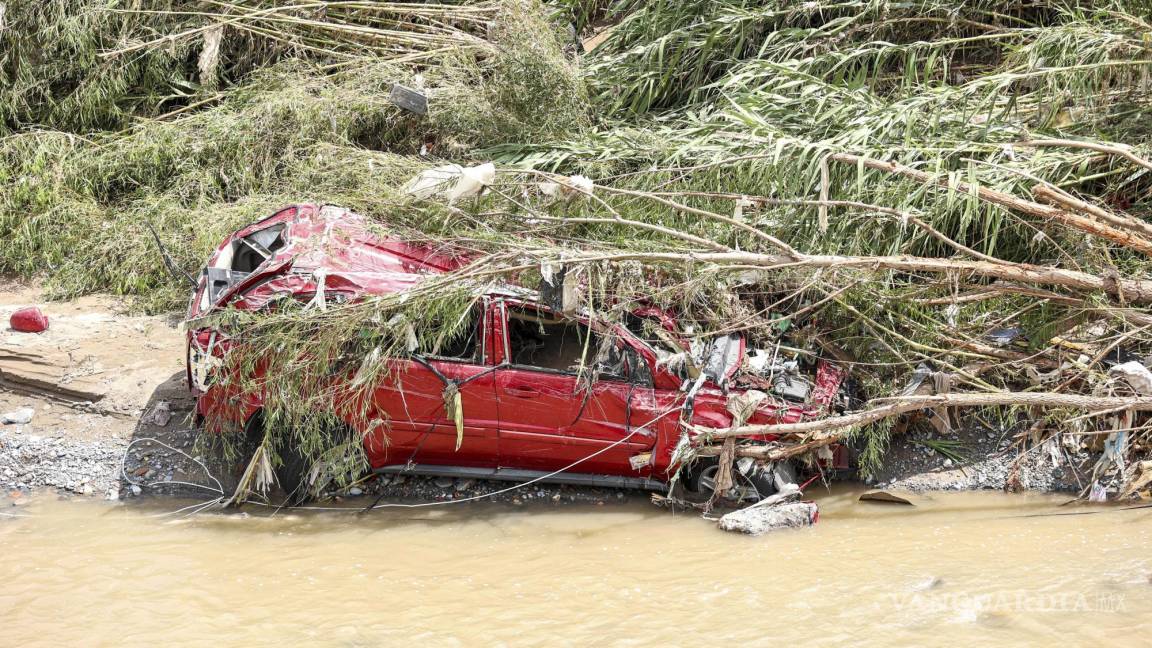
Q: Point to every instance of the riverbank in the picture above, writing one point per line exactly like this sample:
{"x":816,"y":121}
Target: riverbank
{"x":112,"y":419}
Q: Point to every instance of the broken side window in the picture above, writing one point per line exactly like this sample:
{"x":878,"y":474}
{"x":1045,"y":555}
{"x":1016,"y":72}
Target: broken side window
{"x":241,"y":259}
{"x":464,"y":345}
{"x":540,"y":339}
{"x":253,"y":250}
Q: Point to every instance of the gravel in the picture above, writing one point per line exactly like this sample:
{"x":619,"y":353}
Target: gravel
{"x":990,"y":459}
{"x":29,"y":461}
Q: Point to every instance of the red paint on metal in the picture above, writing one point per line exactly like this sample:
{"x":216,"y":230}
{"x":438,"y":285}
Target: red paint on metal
{"x":514,"y":416}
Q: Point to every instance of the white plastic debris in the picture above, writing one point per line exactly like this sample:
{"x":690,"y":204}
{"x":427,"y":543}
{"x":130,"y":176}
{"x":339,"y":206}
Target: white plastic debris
{"x":453,"y":181}
{"x":567,"y":187}
{"x":18,"y":417}
{"x":1097,"y":493}
{"x":319,"y":298}
{"x":1136,"y":375}
{"x":472,"y":182}
{"x":742,"y":405}
{"x":429,"y":183}
{"x":548,"y":272}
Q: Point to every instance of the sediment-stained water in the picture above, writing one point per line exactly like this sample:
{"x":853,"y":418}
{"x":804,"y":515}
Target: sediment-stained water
{"x":959,"y":569}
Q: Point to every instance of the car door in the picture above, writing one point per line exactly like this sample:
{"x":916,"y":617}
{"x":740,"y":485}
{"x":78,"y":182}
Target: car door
{"x":549,"y":418}
{"x":417,"y":427}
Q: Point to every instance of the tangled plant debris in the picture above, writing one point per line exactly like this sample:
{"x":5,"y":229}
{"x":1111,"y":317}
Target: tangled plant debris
{"x":950,"y":199}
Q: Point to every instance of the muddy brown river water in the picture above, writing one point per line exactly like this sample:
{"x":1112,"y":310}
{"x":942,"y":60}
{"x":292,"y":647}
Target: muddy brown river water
{"x":960,"y":569}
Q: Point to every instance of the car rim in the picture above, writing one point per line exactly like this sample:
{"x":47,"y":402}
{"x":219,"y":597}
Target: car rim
{"x":707,"y":483}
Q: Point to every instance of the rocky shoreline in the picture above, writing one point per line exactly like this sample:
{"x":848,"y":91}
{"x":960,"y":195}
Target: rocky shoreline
{"x":159,"y":462}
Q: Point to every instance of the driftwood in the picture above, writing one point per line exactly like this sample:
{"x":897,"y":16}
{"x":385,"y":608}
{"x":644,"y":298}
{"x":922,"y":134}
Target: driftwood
{"x":1058,"y":198}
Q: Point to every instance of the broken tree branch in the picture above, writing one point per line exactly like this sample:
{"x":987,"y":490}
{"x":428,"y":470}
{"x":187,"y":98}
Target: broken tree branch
{"x":707,"y":214}
{"x":1134,"y":290}
{"x":1084,"y":224}
{"x":1062,"y":199}
{"x":1099,"y":147}
{"x":830,"y":430}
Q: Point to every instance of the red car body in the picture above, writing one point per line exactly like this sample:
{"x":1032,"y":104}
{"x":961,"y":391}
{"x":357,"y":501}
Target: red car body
{"x":520,"y":421}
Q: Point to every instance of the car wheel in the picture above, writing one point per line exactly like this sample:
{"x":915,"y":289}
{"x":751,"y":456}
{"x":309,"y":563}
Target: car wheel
{"x":293,"y":476}
{"x":292,"y":470}
{"x":700,"y":483}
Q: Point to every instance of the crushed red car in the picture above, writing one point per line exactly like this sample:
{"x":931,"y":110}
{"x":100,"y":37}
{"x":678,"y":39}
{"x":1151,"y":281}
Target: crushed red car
{"x":525,"y":415}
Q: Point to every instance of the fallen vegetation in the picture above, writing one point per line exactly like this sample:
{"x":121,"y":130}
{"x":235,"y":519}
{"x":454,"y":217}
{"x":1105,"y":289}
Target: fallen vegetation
{"x":953,"y":192}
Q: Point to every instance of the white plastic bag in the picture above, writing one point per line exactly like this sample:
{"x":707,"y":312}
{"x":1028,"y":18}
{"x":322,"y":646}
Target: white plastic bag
{"x":453,"y":181}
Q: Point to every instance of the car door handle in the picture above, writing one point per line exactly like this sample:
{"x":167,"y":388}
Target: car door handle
{"x":522,"y":392}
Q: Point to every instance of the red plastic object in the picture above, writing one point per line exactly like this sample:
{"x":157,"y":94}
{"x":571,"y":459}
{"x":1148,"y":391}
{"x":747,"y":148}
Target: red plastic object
{"x":29,"y":320}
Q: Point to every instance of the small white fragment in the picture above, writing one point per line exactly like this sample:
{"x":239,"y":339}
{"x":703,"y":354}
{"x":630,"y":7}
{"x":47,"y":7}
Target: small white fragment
{"x":567,"y":188}
{"x":581,"y":184}
{"x":738,"y":211}
{"x":951,"y":314}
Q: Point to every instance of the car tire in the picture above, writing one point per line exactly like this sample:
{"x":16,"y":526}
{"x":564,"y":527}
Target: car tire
{"x":292,"y":475}
{"x":699,"y":482}
{"x":291,"y":471}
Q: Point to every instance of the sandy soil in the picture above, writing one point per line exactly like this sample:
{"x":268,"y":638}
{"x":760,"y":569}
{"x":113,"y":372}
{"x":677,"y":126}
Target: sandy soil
{"x":93,"y":347}
{"x":90,"y":378}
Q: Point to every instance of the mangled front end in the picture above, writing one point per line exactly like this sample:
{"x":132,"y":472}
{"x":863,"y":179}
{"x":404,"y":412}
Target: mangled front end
{"x":728,"y":387}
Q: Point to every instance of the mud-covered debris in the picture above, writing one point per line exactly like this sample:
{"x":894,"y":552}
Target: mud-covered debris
{"x":779,"y":511}
{"x":758,"y":520}
{"x":1137,"y":480}
{"x":409,"y":99}
{"x":885,"y":497}
{"x":159,"y":415}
